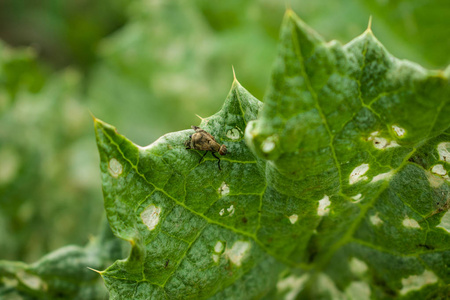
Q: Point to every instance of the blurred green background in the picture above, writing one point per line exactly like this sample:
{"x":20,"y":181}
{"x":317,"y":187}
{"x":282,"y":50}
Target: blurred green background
{"x":147,"y":67}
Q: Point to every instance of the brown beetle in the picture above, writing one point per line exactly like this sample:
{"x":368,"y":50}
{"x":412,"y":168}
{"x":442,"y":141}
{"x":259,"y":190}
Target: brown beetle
{"x":202,"y":140}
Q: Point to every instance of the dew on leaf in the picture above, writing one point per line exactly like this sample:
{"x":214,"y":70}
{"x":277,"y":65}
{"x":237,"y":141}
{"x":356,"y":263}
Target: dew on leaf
{"x":416,"y":282}
{"x":324,"y":206}
{"x":150,"y":216}
{"x":357,"y":174}
{"x":115,"y":167}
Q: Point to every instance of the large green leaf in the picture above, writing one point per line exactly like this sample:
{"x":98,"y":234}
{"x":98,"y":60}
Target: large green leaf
{"x":344,"y":195}
{"x":63,"y":273}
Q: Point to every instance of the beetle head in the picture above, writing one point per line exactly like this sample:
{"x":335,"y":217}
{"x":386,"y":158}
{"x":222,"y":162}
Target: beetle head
{"x":223,"y":150}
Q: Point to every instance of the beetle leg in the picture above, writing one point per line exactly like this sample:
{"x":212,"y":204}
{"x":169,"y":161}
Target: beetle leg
{"x":218,"y":163}
{"x":206,"y":152}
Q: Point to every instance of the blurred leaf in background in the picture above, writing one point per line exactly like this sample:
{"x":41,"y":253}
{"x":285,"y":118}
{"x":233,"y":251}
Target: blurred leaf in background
{"x":148,"y":67}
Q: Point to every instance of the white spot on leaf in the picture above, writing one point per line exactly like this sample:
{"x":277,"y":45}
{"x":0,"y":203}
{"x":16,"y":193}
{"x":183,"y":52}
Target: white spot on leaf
{"x":434,"y":180}
{"x":357,"y":266}
{"x":150,"y":216}
{"x":400,"y":132}
{"x":407,"y":222}
{"x":231,"y":210}
{"x":375,"y":220}
{"x":224,"y":189}
{"x":357,"y":198}
{"x":218,"y":248}
{"x":268,"y":145}
{"x":439,"y":170}
{"x":445,"y":222}
{"x":358,"y":290}
{"x":381,"y":143}
{"x":238,"y":252}
{"x":444,"y":151}
{"x":293,"y":285}
{"x":293,"y":219}
{"x":234,"y":134}
{"x":115,"y":167}
{"x":416,"y":282}
{"x":324,"y":204}
{"x":358,"y":172}
{"x":382,"y":176}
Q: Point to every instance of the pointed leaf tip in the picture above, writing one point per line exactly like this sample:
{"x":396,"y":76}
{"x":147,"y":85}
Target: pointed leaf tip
{"x":369,"y":25}
{"x":96,"y":271}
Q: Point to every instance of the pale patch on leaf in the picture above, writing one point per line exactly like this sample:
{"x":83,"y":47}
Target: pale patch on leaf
{"x":400,"y":132}
{"x":357,"y":174}
{"x":357,"y":266}
{"x":230,"y":210}
{"x":444,"y":151}
{"x":324,"y":206}
{"x":357,"y":198}
{"x":234,"y":134}
{"x":215,"y":257}
{"x":434,"y":180}
{"x":293,"y":219}
{"x":381,"y":143}
{"x":445,"y":222}
{"x":416,"y":282}
{"x":358,"y":290}
{"x":439,"y":170}
{"x":150,"y":216}
{"x":268,"y":145}
{"x":224,"y":189}
{"x":238,"y":252}
{"x":407,"y":222}
{"x":218,"y":248}
{"x":115,"y":167}
{"x":292,"y":285}
{"x":382,"y":176}
{"x":375,"y":220}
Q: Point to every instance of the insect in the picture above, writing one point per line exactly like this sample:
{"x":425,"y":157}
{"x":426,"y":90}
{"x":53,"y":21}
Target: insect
{"x":202,"y":140}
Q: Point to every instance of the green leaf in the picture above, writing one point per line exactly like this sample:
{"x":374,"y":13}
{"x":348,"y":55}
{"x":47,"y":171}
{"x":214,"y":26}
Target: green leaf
{"x":342,"y":191}
{"x":63,"y":273}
